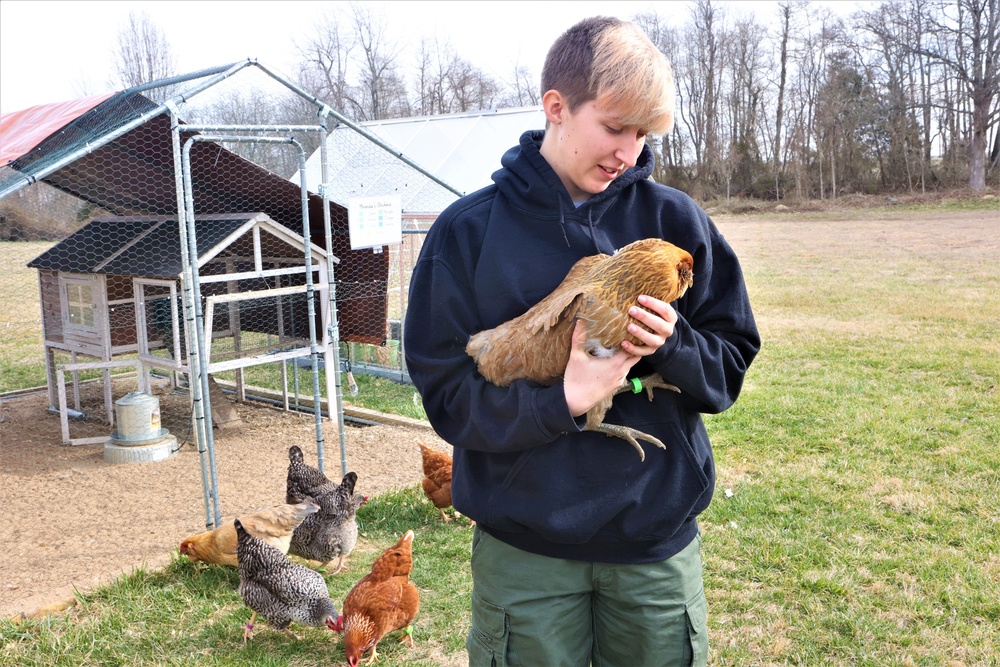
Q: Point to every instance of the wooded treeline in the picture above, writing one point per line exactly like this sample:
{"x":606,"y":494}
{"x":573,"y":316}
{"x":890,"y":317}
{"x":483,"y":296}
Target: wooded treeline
{"x":901,"y":96}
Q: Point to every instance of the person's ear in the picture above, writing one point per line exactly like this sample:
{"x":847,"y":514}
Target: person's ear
{"x":554,"y":106}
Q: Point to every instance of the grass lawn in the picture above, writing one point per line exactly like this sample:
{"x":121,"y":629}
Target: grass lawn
{"x":856,"y":519}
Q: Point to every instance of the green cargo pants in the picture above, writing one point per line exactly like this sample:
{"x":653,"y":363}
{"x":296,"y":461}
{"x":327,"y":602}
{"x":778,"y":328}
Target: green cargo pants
{"x":536,"y":611}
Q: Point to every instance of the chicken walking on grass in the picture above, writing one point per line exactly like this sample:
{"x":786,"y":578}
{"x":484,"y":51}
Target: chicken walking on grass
{"x":274,"y":525}
{"x":383,"y":601}
{"x":599,"y":290}
{"x":278,"y":589}
{"x":436,"y":481}
{"x":304,"y":482}
{"x":332,"y":532}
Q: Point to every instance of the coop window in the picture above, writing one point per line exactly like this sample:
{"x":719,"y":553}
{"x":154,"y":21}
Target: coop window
{"x":79,"y":303}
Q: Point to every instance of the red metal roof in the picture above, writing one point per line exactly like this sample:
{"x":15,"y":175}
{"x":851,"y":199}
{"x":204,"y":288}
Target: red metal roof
{"x":20,"y":131}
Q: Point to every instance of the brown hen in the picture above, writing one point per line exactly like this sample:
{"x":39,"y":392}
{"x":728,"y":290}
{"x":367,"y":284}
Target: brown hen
{"x":273,"y":525}
{"x":599,"y":290}
{"x":383,"y":601}
{"x":437,"y":478}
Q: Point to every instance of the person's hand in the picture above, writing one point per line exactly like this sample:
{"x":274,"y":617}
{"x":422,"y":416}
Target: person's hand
{"x":660,"y":319}
{"x":589,"y":378}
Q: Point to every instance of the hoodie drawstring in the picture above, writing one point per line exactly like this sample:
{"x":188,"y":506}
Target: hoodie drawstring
{"x":593,"y":232}
{"x":562,"y":222}
{"x":590,"y":225}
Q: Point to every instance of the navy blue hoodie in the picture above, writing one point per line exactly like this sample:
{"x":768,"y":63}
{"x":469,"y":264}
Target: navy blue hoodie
{"x":523,"y":468}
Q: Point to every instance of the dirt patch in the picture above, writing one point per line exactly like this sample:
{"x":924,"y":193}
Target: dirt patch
{"x":71,"y":520}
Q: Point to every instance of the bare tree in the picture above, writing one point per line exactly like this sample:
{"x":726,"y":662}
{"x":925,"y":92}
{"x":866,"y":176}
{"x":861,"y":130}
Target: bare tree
{"x":324,"y":65}
{"x":471,"y":88}
{"x":745,"y":68}
{"x":429,"y":80}
{"x":700,"y":89}
{"x":142,"y":54}
{"x":785,"y":19}
{"x":381,"y":92}
{"x":447,"y":83}
{"x":670,"y":167}
{"x":970,"y":50}
{"x":524,"y":89}
{"x":351,"y":63}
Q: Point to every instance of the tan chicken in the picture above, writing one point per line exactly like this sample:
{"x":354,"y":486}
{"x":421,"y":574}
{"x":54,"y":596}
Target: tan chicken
{"x":599,"y":290}
{"x":273,"y":525}
{"x":383,"y":601}
{"x":437,"y":478}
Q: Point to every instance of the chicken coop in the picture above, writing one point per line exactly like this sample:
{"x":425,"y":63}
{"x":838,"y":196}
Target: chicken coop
{"x":171,"y":227}
{"x":114,"y":288}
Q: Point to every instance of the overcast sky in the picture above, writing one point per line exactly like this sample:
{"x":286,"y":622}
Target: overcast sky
{"x":51,"y":51}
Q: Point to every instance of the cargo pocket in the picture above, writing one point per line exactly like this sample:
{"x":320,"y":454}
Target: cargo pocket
{"x":487,"y":642}
{"x":696,"y":610}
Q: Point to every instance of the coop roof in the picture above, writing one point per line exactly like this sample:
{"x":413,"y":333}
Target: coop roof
{"x":118,"y":157}
{"x":23,"y":130}
{"x":148,"y":246}
{"x":463,"y":150}
{"x":134,"y":173}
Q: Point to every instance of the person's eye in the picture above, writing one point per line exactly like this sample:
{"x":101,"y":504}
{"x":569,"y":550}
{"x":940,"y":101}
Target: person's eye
{"x":613,"y":130}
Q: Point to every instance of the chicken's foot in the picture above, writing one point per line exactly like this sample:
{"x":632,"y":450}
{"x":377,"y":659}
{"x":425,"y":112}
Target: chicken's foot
{"x":325,"y":568}
{"x":647,"y":382}
{"x":372,"y":657}
{"x":248,"y":630}
{"x":635,"y":385}
{"x":631,"y":435}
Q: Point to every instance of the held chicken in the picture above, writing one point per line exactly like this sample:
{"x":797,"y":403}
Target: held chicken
{"x":383,"y":601}
{"x":437,"y":478}
{"x":274,"y":525}
{"x":332,"y":532}
{"x":278,"y":589}
{"x":599,"y":290}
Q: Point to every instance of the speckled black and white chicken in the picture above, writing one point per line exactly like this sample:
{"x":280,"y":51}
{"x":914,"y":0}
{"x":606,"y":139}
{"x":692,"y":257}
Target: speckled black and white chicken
{"x":278,"y":589}
{"x":304,"y":482}
{"x":332,"y":532}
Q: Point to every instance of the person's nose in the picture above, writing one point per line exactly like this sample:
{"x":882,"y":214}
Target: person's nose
{"x":628,"y":150}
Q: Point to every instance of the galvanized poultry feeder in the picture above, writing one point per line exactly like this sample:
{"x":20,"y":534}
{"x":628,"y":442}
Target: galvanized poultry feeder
{"x":139,"y":436}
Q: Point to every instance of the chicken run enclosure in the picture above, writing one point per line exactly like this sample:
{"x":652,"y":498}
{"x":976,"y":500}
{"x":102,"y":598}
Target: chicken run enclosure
{"x":172,"y":236}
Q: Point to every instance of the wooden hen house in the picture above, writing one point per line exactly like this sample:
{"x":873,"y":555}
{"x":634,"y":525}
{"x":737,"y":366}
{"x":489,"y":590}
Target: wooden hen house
{"x":115,"y":287}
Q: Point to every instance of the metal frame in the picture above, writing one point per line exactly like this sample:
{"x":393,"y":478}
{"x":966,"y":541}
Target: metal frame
{"x":61,"y":371}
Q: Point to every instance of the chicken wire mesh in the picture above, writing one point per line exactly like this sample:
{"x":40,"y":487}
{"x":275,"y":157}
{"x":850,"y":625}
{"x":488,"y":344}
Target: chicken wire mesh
{"x":95,"y":225}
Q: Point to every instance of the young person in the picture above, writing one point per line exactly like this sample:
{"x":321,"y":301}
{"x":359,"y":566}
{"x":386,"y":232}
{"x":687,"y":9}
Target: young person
{"x":582,"y":554}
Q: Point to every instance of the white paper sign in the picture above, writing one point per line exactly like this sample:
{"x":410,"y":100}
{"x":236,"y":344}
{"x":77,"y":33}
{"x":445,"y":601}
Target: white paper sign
{"x":375,"y":221}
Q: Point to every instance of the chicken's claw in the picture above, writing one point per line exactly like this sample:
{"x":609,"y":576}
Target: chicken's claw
{"x":631,"y":435}
{"x":649,"y":383}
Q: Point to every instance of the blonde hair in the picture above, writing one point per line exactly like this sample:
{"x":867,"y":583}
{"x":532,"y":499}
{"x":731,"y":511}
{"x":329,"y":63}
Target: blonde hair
{"x":614,"y":63}
{"x":632,"y":76}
